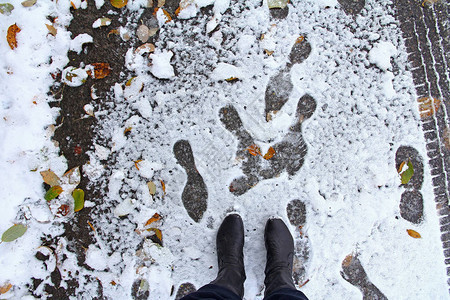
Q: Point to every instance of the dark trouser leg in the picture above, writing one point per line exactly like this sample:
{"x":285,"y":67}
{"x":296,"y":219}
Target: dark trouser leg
{"x":213,"y":292}
{"x":286,"y":294}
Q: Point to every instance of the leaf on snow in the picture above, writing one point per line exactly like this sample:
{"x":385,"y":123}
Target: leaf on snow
{"x":5,"y":288}
{"x":52,"y":30}
{"x":29,"y":3}
{"x":53,"y":192}
{"x":156,"y":217}
{"x":100,"y":22}
{"x":413,"y":233}
{"x":73,"y":176}
{"x":407,"y":174}
{"x":163,"y":185}
{"x":6,"y":8}
{"x":161,"y":3}
{"x":151,"y":187}
{"x":14,"y":232}
{"x":157,"y":232}
{"x":143,"y":33}
{"x":50,"y":178}
{"x":270,"y":153}
{"x":119,"y":3}
{"x":78,"y":197}
{"x":277,"y":3}
{"x":145,"y":48}
{"x":11,"y":36}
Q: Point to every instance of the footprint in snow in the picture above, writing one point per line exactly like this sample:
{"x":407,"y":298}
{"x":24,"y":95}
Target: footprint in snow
{"x":354,"y":273}
{"x":195,"y":194}
{"x":185,"y":289}
{"x":411,"y":202}
{"x":296,"y":212}
{"x":289,"y":153}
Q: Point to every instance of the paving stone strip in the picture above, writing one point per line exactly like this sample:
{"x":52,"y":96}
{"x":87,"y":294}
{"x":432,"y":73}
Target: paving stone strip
{"x":425,"y":28}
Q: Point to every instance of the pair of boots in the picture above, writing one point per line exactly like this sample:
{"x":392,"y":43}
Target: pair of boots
{"x":280,"y":255}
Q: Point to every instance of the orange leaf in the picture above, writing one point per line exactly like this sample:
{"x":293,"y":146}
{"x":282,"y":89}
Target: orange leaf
{"x":156,"y":217}
{"x":270,"y":153}
{"x":114,"y":31}
{"x":73,"y":5}
{"x":52,"y":30}
{"x":347,"y":260}
{"x":163,"y":185}
{"x":5,"y":288}
{"x":428,"y":106}
{"x":300,"y":39}
{"x":145,"y":48}
{"x":413,"y":233}
{"x":119,"y":3}
{"x":169,"y":18}
{"x":254,"y":150}
{"x":136,"y":163}
{"x":101,"y":70}
{"x":11,"y":36}
{"x":177,"y":11}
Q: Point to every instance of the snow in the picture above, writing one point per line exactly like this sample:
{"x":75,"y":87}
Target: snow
{"x":349,"y":184}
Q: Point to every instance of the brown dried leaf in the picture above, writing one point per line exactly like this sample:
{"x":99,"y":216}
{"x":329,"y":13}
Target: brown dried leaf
{"x":73,"y":176}
{"x":114,"y":31}
{"x":11,"y":36}
{"x":413,"y":233}
{"x":151,"y":188}
{"x":161,"y":3}
{"x":163,"y":185}
{"x":347,"y":260}
{"x":52,"y":30}
{"x":28,"y":3}
{"x":157,"y":232}
{"x":156,"y":217}
{"x":270,"y":153}
{"x":145,"y":48}
{"x":50,"y":178}
{"x":101,"y":70}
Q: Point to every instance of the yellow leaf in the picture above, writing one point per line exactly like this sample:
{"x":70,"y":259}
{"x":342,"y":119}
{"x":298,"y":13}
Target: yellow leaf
{"x":11,"y":36}
{"x":151,"y":188}
{"x":156,"y":217}
{"x":5,"y":288}
{"x":50,"y":178}
{"x":270,"y":153}
{"x":29,"y":3}
{"x":157,"y":232}
{"x":53,"y":192}
{"x":413,"y":233}
{"x":119,"y":3}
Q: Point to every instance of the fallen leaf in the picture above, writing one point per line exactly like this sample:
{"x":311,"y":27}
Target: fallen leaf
{"x":73,"y":76}
{"x":50,"y":178}
{"x":73,"y":5}
{"x":151,"y":188}
{"x":119,"y":3}
{"x":52,"y":30}
{"x":29,"y":3}
{"x":143,"y":287}
{"x":231,"y":79}
{"x":156,"y":217}
{"x":254,"y":150}
{"x":268,"y":52}
{"x":89,"y":110}
{"x":113,"y":282}
{"x":270,"y":153}
{"x":128,"y":129}
{"x":101,"y":70}
{"x":429,"y":2}
{"x":168,"y":17}
{"x":6,"y":8}
{"x":300,"y":39}
{"x":300,"y":285}
{"x":53,"y":192}
{"x":11,"y":36}
{"x":73,"y":176}
{"x":143,"y":33}
{"x":163,"y":185}
{"x":114,"y":31}
{"x":277,"y":3}
{"x":413,"y":233}
{"x":428,"y":106}
{"x":63,"y":210}
{"x":347,"y":260}
{"x":136,"y":163}
{"x":92,"y":226}
{"x":161,"y":3}
{"x":145,"y":48}
{"x":407,"y":174}
{"x":14,"y":232}
{"x":157,"y":232}
{"x":5,"y":288}
{"x":78,"y":197}
{"x":77,"y":150}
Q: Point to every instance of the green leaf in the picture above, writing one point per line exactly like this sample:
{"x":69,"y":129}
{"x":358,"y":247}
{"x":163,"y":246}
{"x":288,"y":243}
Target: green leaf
{"x":6,"y":8}
{"x":53,"y":192}
{"x":408,"y":173}
{"x":14,"y":232}
{"x":78,"y":196}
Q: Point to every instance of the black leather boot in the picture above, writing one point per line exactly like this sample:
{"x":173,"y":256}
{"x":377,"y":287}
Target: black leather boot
{"x":280,"y":256}
{"x":230,"y":245}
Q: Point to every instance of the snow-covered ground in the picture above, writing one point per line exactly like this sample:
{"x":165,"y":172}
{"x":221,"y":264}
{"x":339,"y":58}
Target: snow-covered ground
{"x":366,"y":108}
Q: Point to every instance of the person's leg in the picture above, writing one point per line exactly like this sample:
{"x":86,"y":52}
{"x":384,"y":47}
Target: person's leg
{"x":229,"y":283}
{"x":280,"y":255}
